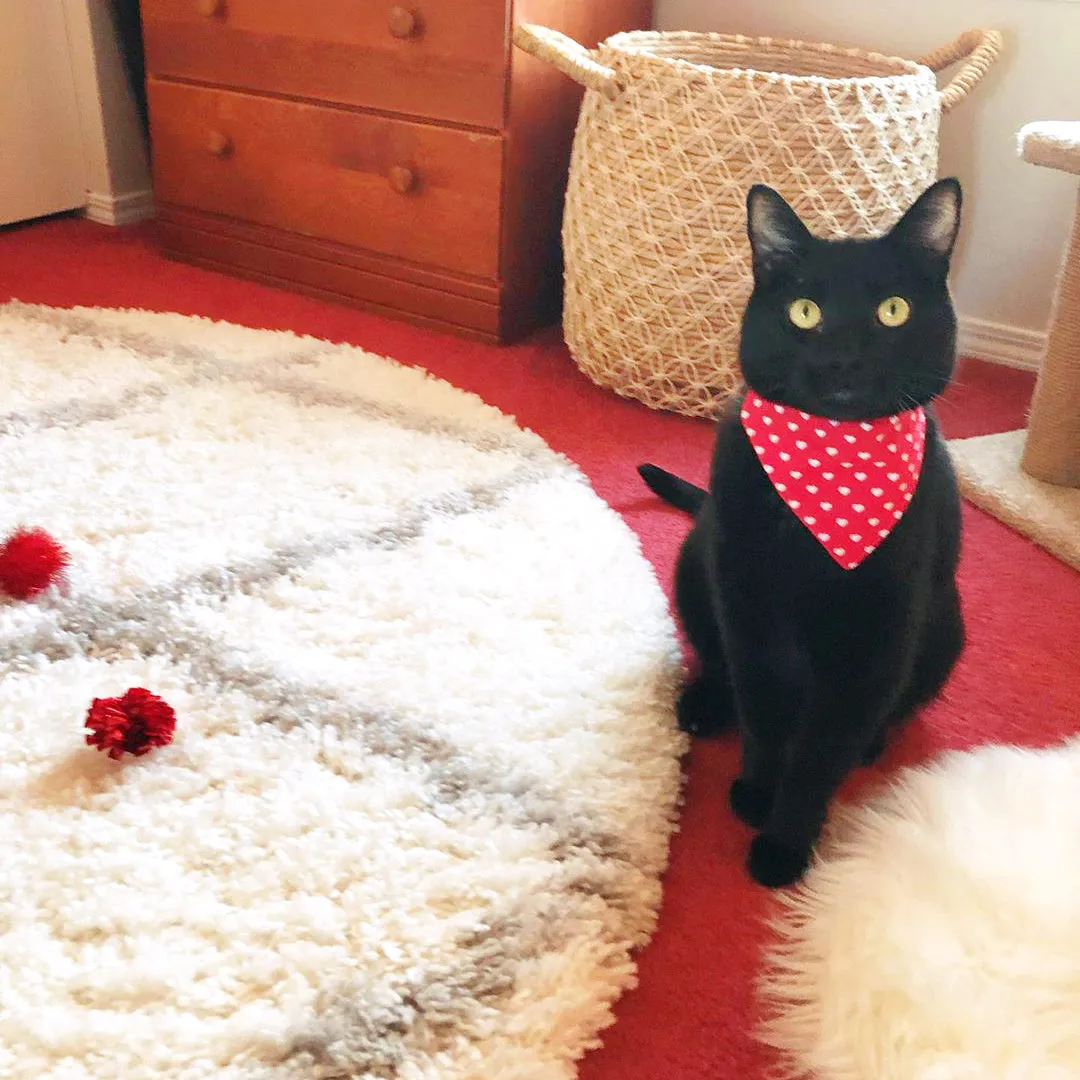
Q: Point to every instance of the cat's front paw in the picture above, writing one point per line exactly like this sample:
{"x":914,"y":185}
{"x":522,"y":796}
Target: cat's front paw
{"x":775,"y":865}
{"x":876,"y":750}
{"x":750,"y":803}
{"x":704,"y":710}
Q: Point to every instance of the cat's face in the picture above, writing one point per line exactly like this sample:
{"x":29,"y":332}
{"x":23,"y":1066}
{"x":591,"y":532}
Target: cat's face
{"x":851,"y":329}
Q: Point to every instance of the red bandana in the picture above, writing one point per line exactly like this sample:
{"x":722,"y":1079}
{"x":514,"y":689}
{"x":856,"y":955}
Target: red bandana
{"x":848,"y":481}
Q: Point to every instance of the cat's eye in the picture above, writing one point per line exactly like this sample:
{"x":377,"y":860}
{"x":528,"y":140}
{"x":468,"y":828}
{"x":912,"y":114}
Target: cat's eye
{"x":893,"y":312}
{"x":804,"y":313}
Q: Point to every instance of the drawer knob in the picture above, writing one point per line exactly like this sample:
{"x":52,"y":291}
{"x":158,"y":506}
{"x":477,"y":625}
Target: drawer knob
{"x":219,"y":144}
{"x":402,"y":179}
{"x":403,"y":23}
{"x":210,"y":8}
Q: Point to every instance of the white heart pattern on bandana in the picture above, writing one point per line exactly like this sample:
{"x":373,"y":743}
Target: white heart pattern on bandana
{"x":842,"y":511}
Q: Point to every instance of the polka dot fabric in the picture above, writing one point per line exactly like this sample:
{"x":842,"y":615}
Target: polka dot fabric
{"x":848,"y":481}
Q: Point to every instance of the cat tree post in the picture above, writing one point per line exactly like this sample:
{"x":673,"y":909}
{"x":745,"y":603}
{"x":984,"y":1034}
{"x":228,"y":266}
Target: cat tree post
{"x":1052,"y":448}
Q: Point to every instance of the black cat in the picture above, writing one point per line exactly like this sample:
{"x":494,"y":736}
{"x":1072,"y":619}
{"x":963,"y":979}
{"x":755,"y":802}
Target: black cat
{"x":822,"y":623}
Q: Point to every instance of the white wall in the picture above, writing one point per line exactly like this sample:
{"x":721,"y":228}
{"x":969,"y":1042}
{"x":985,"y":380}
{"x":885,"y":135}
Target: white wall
{"x":117,"y":173}
{"x":41,"y":167}
{"x":1017,"y":215}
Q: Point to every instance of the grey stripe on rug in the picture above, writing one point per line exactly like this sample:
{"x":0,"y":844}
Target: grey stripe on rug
{"x":425,"y":772}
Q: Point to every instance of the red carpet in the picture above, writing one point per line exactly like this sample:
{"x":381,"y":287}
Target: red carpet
{"x":1019,"y":681}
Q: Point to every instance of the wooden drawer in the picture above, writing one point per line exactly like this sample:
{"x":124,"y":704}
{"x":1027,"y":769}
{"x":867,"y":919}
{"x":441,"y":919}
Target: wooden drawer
{"x":219,"y":245}
{"x":443,"y":59}
{"x":417,"y":192}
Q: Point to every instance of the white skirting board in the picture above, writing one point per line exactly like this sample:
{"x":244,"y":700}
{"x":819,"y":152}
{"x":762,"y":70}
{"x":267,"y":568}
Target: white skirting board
{"x":123,"y":209}
{"x":1001,"y":343}
{"x":998,"y":343}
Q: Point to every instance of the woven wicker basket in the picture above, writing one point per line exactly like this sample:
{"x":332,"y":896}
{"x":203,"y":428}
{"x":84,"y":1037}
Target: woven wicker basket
{"x":674,"y":129}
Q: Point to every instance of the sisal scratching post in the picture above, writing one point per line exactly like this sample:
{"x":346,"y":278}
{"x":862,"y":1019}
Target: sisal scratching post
{"x":1030,"y":479}
{"x":1052,"y":449}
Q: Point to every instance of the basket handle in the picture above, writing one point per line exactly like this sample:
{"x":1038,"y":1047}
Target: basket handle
{"x":568,"y":56}
{"x":979,"y":48}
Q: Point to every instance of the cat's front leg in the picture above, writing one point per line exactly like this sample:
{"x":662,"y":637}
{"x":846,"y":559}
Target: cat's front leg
{"x":754,"y":789}
{"x":767,"y":703}
{"x":820,"y":760}
{"x":767,"y":687}
{"x":877,"y":746}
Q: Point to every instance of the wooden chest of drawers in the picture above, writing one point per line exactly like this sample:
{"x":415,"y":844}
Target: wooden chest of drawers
{"x":403,"y":158}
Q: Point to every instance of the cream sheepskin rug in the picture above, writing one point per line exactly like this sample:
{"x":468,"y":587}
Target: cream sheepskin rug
{"x":938,"y":935}
{"x":425,"y":770}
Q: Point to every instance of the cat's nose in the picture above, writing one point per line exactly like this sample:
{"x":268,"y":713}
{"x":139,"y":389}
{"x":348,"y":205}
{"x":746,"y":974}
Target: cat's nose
{"x":841,"y":363}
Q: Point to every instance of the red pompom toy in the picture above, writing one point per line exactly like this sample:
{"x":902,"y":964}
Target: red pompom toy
{"x":30,"y":561}
{"x":132,"y":724}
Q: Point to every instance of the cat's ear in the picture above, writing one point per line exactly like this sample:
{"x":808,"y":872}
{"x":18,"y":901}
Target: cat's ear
{"x":778,"y":237}
{"x":930,"y":225}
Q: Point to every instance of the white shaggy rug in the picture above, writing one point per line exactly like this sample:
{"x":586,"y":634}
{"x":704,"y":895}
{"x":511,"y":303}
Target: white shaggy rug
{"x":938,"y":936}
{"x":425,"y":769}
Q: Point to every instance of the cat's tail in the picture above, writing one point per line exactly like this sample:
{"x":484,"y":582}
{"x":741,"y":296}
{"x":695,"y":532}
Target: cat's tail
{"x":673,"y":489}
